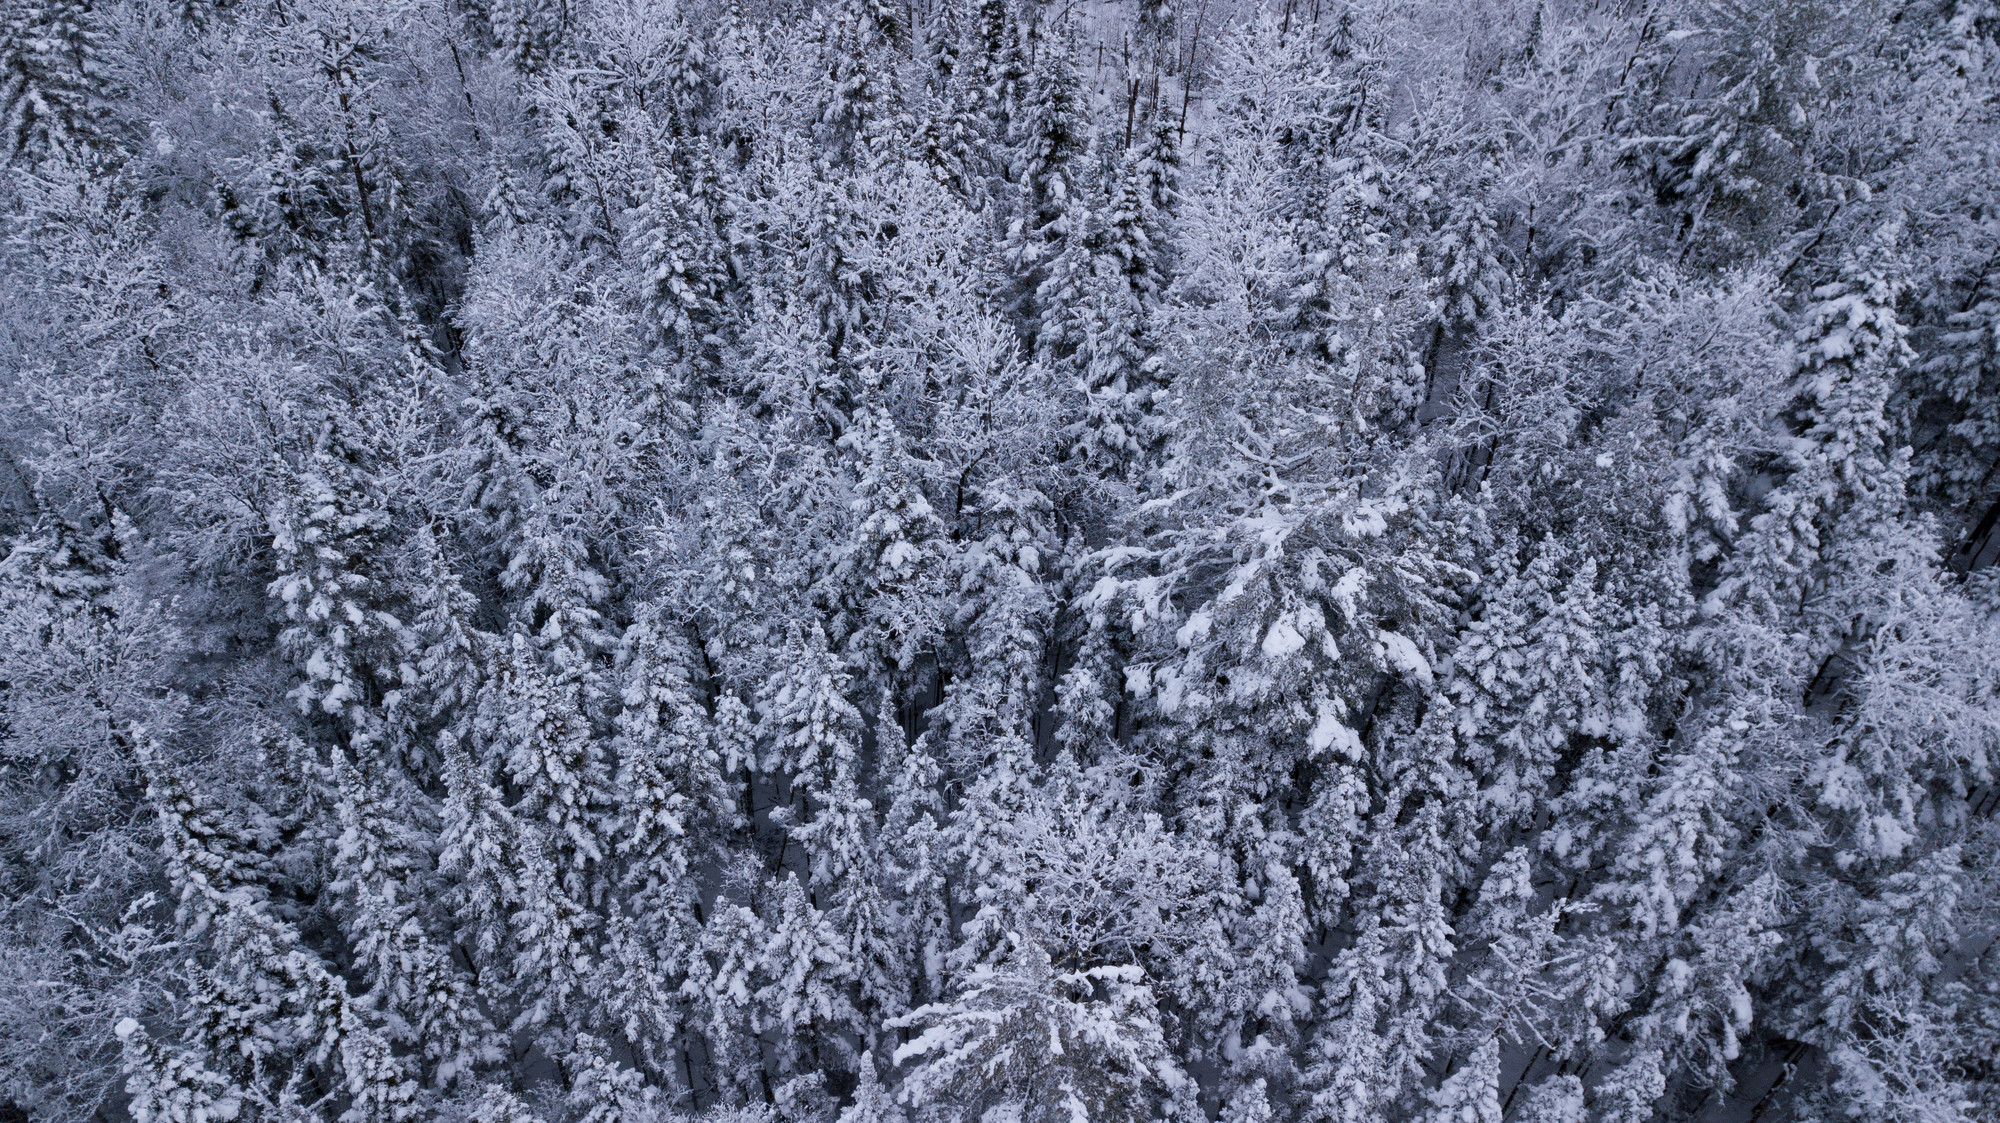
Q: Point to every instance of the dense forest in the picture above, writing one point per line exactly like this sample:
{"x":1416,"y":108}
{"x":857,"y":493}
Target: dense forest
{"x":999,"y":561}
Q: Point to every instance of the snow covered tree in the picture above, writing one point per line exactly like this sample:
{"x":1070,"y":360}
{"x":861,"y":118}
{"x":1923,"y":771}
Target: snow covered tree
{"x":407,"y":971}
{"x":1047,"y":137}
{"x":544,"y":738}
{"x":173,"y":1086}
{"x":677,"y":240}
{"x":858,"y":43}
{"x":1037,"y":1044}
{"x":1472,"y":1093}
{"x":669,"y":786}
{"x":53,"y":78}
{"x":805,"y":990}
{"x":350,"y":649}
{"x":817,"y":744}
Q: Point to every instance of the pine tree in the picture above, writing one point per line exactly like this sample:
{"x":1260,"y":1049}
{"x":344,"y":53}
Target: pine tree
{"x":1718,"y":153}
{"x":448,"y":651}
{"x":1251,"y":1105}
{"x":555,"y":952}
{"x":912,"y":840}
{"x":601,"y":1091}
{"x":817,"y":743}
{"x":350,"y":648}
{"x":872,"y":1102}
{"x":951,"y":134}
{"x":265,"y":999}
{"x":1559,"y":1099}
{"x":999,"y":61}
{"x":52,"y":78}
{"x":1472,"y":1093}
{"x":173,"y":1086}
{"x":529,"y":32}
{"x":676,"y":241}
{"x":1344,"y":1079}
{"x":1038,"y":1044}
{"x":1125,"y":419}
{"x":408,"y":973}
{"x":479,"y":833}
{"x":856,"y":42}
{"x":806,"y":976}
{"x":1844,"y":469}
{"x":722,"y":989}
{"x":892,"y":563}
{"x":669,"y":783}
{"x":537,"y":726}
{"x":1047,"y":136}
{"x":1631,"y":1092}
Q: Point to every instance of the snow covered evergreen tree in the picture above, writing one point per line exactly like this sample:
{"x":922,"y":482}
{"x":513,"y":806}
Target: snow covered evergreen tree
{"x":982,"y":560}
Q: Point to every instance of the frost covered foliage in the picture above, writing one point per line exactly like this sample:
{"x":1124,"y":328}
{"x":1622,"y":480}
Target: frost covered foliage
{"x":988,"y":561}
